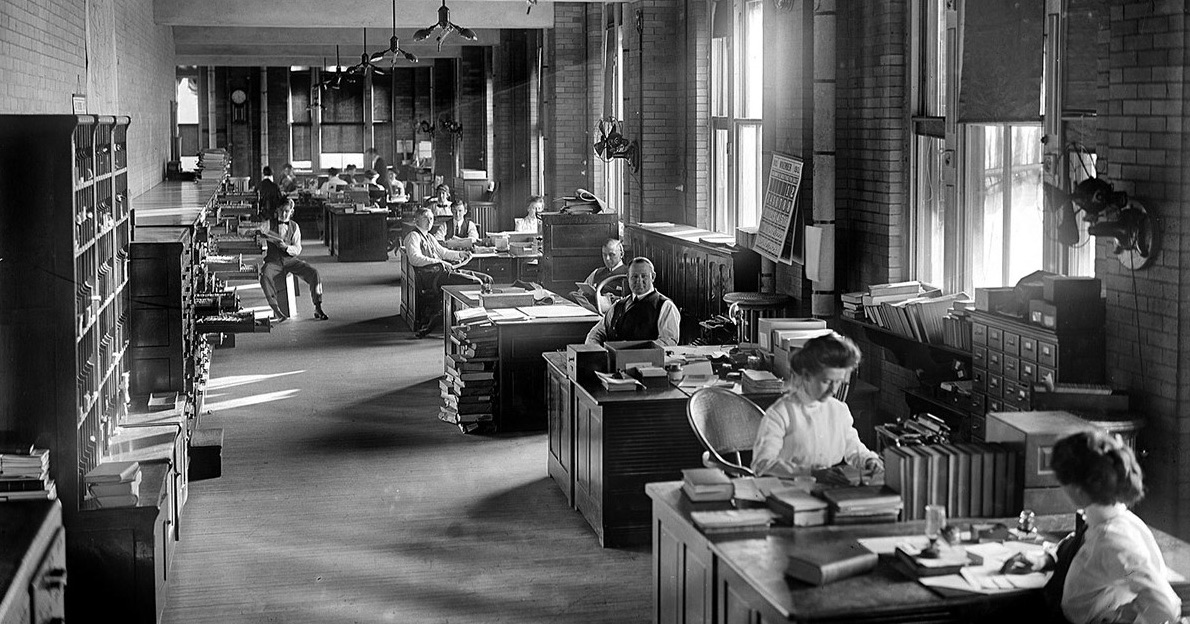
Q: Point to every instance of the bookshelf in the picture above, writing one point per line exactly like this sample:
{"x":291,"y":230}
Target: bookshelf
{"x":934,"y":363}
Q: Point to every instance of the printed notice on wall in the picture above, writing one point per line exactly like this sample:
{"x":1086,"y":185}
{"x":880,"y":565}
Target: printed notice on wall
{"x":779,"y":213}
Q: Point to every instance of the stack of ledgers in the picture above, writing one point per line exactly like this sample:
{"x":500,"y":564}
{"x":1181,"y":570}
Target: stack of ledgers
{"x":469,"y":380}
{"x":972,"y":480}
{"x":114,"y":484}
{"x":25,"y":475}
{"x":916,"y":311}
{"x":760,"y":382}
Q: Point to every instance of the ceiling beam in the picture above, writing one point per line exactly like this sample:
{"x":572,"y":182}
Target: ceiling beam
{"x":328,"y":13}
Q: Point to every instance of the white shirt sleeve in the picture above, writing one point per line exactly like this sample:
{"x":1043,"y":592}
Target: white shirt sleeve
{"x":473,"y":232}
{"x":669,"y":323}
{"x":598,"y":333}
{"x":293,"y":236}
{"x":417,"y":258}
{"x":770,"y":441}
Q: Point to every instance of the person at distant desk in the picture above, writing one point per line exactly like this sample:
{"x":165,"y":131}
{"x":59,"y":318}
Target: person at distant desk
{"x":374,"y":161}
{"x":531,"y":222}
{"x":808,"y":431}
{"x":460,"y":228}
{"x":646,"y":315}
{"x":396,"y":189}
{"x":433,"y":267}
{"x":440,"y":203}
{"x":268,"y":195}
{"x":349,"y":175}
{"x":333,"y":183}
{"x":613,"y":264}
{"x":288,"y":182}
{"x":283,"y":240}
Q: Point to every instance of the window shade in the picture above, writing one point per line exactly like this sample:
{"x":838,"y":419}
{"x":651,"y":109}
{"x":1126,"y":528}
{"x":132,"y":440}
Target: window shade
{"x":1000,"y":79}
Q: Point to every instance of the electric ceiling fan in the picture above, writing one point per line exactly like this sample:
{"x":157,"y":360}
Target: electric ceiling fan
{"x":394,"y":43}
{"x":367,"y":61}
{"x":334,"y":81}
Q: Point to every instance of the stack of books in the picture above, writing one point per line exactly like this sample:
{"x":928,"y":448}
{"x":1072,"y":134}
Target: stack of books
{"x":853,"y":305}
{"x":468,"y":384}
{"x":956,"y":325}
{"x":707,"y":484}
{"x":760,"y":382}
{"x":732,"y":519}
{"x":973,"y":480}
{"x":114,"y":484}
{"x":938,"y":561}
{"x":797,"y":507}
{"x":863,"y":504}
{"x":25,"y":475}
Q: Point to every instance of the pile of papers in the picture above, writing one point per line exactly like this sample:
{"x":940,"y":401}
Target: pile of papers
{"x":614,"y":382}
{"x":114,"y":484}
{"x":25,"y":475}
{"x":760,"y":382}
{"x":863,"y":504}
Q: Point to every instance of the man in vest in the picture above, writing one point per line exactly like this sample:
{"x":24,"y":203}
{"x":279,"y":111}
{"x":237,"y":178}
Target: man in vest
{"x":613,"y":264}
{"x":646,"y":315}
{"x":433,"y":268}
{"x":461,"y":227}
{"x":283,"y":245}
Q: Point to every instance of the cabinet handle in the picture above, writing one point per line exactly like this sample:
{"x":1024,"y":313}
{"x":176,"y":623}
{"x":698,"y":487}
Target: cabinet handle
{"x":54,"y":579}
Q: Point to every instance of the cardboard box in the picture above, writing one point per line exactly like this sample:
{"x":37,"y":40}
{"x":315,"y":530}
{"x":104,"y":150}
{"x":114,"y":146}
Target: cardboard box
{"x":1032,"y":435}
{"x":1061,"y":288}
{"x":625,"y":354}
{"x":766,"y":326}
{"x":583,"y":360}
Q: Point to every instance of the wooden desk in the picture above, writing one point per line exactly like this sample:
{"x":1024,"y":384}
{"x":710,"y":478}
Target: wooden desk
{"x":356,"y":236}
{"x":740,"y":577}
{"x":520,"y":371}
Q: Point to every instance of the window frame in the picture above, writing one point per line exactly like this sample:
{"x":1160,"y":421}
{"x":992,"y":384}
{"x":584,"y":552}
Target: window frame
{"x":729,"y":55}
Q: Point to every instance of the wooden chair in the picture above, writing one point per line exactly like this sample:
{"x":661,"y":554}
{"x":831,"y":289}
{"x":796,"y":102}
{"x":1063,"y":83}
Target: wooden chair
{"x":601,"y":301}
{"x":726,"y":424}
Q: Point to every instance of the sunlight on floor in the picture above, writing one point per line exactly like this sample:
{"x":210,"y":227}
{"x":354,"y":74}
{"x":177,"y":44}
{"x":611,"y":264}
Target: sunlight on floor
{"x":255,"y":399}
{"x":231,"y":381}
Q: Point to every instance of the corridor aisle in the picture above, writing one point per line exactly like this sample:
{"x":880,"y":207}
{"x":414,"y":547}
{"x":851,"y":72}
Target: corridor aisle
{"x":344,"y":499}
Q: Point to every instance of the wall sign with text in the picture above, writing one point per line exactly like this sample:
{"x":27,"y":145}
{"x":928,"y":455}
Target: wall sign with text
{"x":779,"y":217}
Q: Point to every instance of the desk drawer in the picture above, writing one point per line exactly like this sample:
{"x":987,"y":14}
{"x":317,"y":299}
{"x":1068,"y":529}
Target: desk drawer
{"x":1012,"y":342}
{"x":1012,"y":367}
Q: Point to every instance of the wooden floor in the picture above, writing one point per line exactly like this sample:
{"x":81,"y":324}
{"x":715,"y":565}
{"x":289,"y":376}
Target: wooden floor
{"x":344,"y":499}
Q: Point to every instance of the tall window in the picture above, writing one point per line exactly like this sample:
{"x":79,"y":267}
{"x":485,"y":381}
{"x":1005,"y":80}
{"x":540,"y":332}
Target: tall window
{"x":343,"y":125}
{"x":737,"y":73}
{"x":301,"y":118}
{"x":929,"y":143}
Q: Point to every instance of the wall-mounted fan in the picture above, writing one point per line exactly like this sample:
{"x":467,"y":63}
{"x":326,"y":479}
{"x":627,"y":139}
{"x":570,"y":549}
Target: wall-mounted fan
{"x":610,"y":143}
{"x":1109,"y":213}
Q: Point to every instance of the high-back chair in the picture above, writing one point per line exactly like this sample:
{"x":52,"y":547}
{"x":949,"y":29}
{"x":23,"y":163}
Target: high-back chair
{"x":726,"y":423}
{"x":600,"y":300}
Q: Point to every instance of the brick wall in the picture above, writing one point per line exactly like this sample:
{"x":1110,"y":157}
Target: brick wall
{"x":43,"y":60}
{"x":1141,"y":141}
{"x":571,"y":64}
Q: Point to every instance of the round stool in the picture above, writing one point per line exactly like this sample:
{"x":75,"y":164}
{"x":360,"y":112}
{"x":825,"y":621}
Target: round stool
{"x":748,"y":307}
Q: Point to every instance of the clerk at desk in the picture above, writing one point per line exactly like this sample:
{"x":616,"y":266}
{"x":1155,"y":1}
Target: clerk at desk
{"x":433,"y":267}
{"x":613,"y":264}
{"x":646,"y":315}
{"x":460,"y":227}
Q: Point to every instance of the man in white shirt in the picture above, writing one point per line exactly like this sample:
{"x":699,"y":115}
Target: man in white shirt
{"x":433,"y":267}
{"x":646,"y":315}
{"x":333,"y":182}
{"x":613,"y":264}
{"x":283,"y":240}
{"x":460,"y":228}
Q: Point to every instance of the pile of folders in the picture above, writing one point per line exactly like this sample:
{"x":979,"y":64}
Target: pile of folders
{"x":972,"y":480}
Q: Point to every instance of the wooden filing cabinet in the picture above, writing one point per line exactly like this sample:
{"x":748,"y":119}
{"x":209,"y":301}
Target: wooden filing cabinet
{"x":32,"y":563}
{"x":560,"y":417}
{"x":1009,"y":355}
{"x":572,"y":247}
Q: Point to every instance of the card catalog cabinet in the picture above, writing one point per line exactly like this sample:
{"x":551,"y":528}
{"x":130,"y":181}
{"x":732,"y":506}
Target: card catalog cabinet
{"x":1009,"y":355}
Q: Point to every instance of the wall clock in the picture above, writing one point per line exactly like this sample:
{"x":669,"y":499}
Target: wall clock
{"x":239,"y":97}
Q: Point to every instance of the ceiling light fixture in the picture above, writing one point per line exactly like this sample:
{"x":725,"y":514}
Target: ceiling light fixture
{"x":447,"y":27}
{"x":394,"y":43}
{"x":335,"y":81}
{"x":365,"y":65}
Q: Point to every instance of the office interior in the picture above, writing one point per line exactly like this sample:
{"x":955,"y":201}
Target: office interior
{"x":929,"y":132}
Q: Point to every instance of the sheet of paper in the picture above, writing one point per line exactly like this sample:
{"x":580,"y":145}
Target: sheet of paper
{"x":507,"y":314}
{"x":557,"y":311}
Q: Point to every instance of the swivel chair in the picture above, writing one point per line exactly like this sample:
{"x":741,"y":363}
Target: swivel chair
{"x":601,"y":301}
{"x":726,"y":424}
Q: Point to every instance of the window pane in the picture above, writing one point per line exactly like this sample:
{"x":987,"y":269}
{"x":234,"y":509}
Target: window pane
{"x":720,"y":184}
{"x":299,"y":96}
{"x":748,"y":176}
{"x":1004,"y":200}
{"x":933,"y":62}
{"x":382,"y":105}
{"x":1027,"y":208}
{"x":719,"y":77}
{"x":343,"y":138}
{"x":751,"y":89}
{"x":345,"y":105}
{"x":302,"y":152}
{"x":930,"y":210}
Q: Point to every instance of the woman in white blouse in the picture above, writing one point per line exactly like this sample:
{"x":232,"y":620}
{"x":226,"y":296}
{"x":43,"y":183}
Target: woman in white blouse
{"x":1117,"y":574}
{"x":531,"y":222}
{"x":808,"y":431}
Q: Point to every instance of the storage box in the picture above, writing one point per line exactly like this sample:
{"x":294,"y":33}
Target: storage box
{"x":1032,"y":435}
{"x":622,"y":355}
{"x":583,"y":360}
{"x":1067,"y":316}
{"x":1061,"y":288}
{"x":996,"y":299}
{"x":492,"y":301}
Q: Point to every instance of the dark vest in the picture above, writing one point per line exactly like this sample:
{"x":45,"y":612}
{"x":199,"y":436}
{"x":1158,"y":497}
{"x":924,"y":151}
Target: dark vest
{"x":461,"y":232}
{"x":616,"y":288}
{"x":639,"y":322}
{"x":274,"y":252}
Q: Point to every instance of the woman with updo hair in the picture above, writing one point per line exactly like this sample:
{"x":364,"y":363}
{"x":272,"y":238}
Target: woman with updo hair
{"x":808,"y":431}
{"x":1117,"y":574}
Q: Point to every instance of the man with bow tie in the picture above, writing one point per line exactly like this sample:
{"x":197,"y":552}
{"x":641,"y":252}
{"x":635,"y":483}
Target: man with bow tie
{"x":283,"y":240}
{"x":645,"y":315}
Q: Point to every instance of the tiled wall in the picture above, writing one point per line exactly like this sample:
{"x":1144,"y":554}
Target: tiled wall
{"x":44,"y":52}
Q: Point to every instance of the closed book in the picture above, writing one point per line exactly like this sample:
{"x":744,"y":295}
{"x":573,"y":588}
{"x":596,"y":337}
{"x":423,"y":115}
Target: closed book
{"x":113,"y":472}
{"x":732,"y":519}
{"x":937,"y":474}
{"x":883,"y":517}
{"x":822,"y":563}
{"x":896,"y":475}
{"x":796,"y":507}
{"x":862,"y":497}
{"x":702,"y":478}
{"x":126,"y":500}
{"x":704,"y":495}
{"x":477,"y":376}
{"x":23,"y":485}
{"x":919,"y":478}
{"x":126,"y":488}
{"x":975,"y":494}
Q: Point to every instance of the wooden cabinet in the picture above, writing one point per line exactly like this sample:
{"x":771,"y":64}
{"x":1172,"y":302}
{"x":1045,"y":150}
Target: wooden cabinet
{"x":560,"y":423}
{"x":64,"y":305}
{"x":356,"y":236}
{"x":694,"y":274}
{"x":572,"y":247}
{"x":1009,"y":355}
{"x":683,"y":571}
{"x":470,"y":190}
{"x":32,"y":563}
{"x":162,"y":311}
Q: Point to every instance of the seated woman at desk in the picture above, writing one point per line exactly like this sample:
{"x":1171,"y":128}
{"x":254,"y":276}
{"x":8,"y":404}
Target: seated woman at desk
{"x":440,"y":203}
{"x":1117,"y":573}
{"x":808,"y":431}
{"x":396,"y":189}
{"x":333,"y":183}
{"x":531,"y":222}
{"x":460,"y":230}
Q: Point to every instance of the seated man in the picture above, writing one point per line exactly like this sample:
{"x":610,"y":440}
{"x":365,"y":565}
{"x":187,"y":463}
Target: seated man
{"x":646,"y":315}
{"x":433,"y":268}
{"x":333,"y":183}
{"x":613,"y":264}
{"x":284,"y":244}
{"x":288,"y":181}
{"x":440,"y":203}
{"x":459,"y":232}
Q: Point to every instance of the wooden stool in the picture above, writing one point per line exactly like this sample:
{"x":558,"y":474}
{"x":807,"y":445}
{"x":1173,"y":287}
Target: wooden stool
{"x":753,"y":306}
{"x":287,"y":292}
{"x":206,"y":454}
